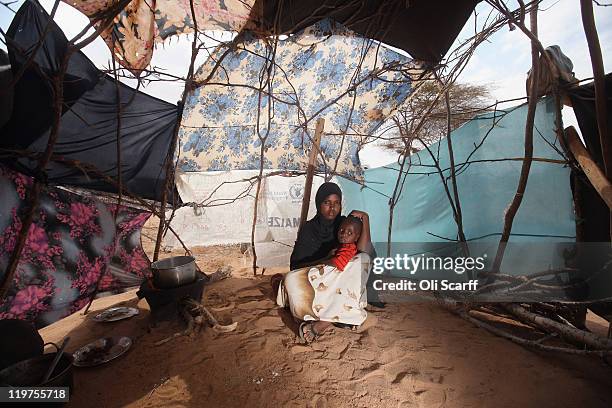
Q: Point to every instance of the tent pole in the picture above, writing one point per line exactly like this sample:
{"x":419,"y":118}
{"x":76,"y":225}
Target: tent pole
{"x":119,"y":182}
{"x":33,"y":196}
{"x":515,"y":204}
{"x":590,"y":31}
{"x":311,"y":169}
{"x":170,"y":166}
{"x":189,"y":86}
{"x":589,"y":167}
{"x":166,"y":185}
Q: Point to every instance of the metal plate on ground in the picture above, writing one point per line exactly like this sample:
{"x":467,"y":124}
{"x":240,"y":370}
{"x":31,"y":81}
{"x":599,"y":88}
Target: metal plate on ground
{"x":101,"y":351}
{"x":114,"y":314}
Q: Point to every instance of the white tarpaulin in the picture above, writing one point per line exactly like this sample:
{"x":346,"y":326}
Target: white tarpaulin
{"x":222,"y":212}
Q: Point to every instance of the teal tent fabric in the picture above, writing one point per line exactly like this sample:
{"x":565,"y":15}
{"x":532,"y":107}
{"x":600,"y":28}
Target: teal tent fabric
{"x":423,"y":214}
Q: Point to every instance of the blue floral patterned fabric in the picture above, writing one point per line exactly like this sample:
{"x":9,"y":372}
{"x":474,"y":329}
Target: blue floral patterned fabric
{"x":272,"y":92}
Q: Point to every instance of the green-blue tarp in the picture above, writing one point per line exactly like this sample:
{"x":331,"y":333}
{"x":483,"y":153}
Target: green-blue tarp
{"x":487,"y":153}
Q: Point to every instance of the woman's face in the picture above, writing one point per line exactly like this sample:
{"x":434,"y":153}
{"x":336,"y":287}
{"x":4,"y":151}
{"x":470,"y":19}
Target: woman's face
{"x":331,"y":207}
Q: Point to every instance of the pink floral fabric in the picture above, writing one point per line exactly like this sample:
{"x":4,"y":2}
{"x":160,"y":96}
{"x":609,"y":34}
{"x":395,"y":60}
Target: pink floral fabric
{"x":72,"y":246}
{"x":142,"y":23}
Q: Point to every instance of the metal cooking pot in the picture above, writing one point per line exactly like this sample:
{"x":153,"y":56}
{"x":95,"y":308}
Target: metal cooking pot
{"x":173,"y":272}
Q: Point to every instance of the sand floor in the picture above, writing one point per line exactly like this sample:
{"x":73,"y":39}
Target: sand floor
{"x":405,"y":355}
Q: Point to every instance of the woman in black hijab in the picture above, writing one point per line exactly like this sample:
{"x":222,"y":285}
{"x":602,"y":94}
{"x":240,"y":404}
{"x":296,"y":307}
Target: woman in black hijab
{"x":316,"y":241}
{"x":318,"y":237}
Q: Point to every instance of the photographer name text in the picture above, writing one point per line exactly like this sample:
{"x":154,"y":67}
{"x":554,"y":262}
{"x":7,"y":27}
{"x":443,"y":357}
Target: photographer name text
{"x":425,"y":284}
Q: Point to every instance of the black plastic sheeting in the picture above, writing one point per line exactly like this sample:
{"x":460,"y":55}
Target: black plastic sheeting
{"x":583,"y":102}
{"x":594,"y":225}
{"x":424,"y":28}
{"x":88,"y":127}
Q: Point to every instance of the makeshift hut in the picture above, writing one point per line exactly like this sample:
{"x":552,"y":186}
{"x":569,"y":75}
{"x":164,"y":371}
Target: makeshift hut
{"x":286,"y":104}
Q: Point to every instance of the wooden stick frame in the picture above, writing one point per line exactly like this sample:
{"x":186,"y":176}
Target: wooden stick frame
{"x":311,"y":170}
{"x":595,"y":175}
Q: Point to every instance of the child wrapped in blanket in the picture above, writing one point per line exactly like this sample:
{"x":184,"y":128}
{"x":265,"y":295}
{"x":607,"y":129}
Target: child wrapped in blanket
{"x":302,"y":281}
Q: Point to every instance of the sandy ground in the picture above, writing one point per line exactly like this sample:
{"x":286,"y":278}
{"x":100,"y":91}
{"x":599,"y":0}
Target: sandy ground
{"x":405,"y":355}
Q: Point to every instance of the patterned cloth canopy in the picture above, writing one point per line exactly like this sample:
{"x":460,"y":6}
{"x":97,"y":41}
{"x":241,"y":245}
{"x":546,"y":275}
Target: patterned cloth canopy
{"x":141,"y":23}
{"x":272,"y":92}
{"x":423,"y":28}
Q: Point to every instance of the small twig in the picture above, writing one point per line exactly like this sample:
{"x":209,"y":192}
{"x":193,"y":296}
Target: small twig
{"x":163,"y":381}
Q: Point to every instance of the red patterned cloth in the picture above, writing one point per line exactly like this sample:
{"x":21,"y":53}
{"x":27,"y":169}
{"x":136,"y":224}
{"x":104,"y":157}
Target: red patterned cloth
{"x":344,"y":254}
{"x":74,"y":244}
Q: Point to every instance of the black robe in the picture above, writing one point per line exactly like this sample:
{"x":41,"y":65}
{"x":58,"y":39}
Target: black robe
{"x":315,"y":239}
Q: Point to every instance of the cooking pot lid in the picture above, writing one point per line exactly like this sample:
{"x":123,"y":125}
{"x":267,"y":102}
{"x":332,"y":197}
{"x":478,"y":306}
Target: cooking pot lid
{"x":172,"y":262}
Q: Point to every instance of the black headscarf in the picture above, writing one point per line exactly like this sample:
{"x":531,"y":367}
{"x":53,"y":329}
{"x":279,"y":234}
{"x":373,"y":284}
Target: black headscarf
{"x":318,"y":236}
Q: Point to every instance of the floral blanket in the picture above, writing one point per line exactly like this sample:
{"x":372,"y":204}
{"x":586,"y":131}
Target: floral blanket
{"x":73,"y":245}
{"x":272,"y":92}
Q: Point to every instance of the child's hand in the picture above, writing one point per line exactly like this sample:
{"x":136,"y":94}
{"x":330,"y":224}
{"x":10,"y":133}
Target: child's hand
{"x":332,"y":252}
{"x":359,"y":214}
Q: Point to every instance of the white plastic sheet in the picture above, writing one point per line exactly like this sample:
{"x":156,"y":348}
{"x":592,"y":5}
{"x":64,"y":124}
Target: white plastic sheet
{"x":223,"y":212}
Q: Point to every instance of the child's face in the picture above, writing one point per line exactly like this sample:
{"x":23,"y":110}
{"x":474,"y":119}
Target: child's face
{"x":348,"y":233}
